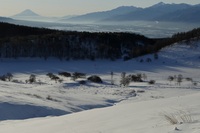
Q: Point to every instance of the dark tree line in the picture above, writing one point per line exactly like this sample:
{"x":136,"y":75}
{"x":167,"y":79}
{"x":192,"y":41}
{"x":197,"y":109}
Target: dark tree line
{"x":9,"y":30}
{"x":179,"y":37}
{"x":21,"y":41}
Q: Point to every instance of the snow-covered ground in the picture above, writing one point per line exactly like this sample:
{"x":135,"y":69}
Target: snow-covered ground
{"x":138,"y":108}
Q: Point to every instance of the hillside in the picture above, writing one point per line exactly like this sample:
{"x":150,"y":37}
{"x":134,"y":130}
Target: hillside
{"x":20,"y":41}
{"x":5,"y":19}
{"x":140,"y":107}
{"x":11,"y":30}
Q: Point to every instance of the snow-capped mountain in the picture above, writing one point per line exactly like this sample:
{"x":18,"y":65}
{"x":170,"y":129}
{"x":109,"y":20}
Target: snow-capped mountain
{"x":32,"y":16}
{"x":27,"y":13}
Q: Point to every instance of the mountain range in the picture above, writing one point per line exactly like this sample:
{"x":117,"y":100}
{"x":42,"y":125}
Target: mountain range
{"x":98,"y":16}
{"x":150,"y":13}
{"x":158,"y":12}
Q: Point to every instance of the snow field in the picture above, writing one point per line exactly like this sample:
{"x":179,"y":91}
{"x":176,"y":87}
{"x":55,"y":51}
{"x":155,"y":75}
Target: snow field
{"x":138,"y":113}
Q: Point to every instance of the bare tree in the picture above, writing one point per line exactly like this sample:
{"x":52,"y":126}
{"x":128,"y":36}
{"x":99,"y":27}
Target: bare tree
{"x":179,"y":79}
{"x":32,"y":78}
{"x":125,"y":81}
{"x":144,"y":76}
{"x":170,"y":79}
{"x":9,"y":76}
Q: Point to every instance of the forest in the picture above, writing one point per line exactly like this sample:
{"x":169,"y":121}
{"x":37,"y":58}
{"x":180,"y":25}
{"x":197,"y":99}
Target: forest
{"x":21,"y":41}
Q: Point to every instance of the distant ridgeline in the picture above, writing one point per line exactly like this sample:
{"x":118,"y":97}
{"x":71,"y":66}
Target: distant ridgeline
{"x":21,"y":41}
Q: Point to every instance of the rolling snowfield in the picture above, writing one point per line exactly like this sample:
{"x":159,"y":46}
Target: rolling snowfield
{"x":69,"y":107}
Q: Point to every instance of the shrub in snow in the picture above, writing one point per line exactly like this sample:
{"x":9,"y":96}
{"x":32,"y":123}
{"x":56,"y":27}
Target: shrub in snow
{"x":195,"y":83}
{"x":125,"y":81}
{"x":135,"y":78}
{"x":15,"y":81}
{"x":177,"y":117}
{"x":95,"y":79}
{"x":3,"y":78}
{"x":9,"y":76}
{"x":49,"y":98}
{"x":140,"y":91}
{"x":53,"y":77}
{"x":65,"y":74}
{"x":6,"y":77}
{"x":52,"y":99}
{"x":50,"y":75}
{"x":179,"y":79}
{"x":79,"y":75}
{"x":170,"y":78}
{"x":151,"y":82}
{"x":56,"y":78}
{"x":60,"y":80}
{"x":32,"y":78}
{"x":189,"y":79}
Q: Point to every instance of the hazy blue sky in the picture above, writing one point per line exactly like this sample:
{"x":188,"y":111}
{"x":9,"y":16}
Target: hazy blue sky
{"x":72,"y":7}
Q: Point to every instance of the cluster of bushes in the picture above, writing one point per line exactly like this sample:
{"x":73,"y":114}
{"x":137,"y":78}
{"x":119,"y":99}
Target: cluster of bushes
{"x":125,"y":80}
{"x":32,"y":79}
{"x":178,"y":79}
{"x":77,"y":75}
{"x":54,"y":77}
{"x":6,"y":77}
{"x":9,"y":77}
{"x":74,"y":76}
{"x":64,"y":74}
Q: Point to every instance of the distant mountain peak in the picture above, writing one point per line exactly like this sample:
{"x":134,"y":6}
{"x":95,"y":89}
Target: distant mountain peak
{"x":125,"y":7}
{"x":159,"y":4}
{"x":27,"y":12}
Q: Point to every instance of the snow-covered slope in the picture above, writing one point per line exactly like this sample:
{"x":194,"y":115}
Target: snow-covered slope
{"x":139,"y":117}
{"x":138,"y":108}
